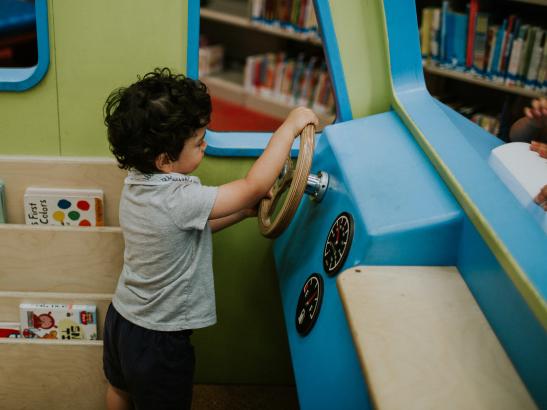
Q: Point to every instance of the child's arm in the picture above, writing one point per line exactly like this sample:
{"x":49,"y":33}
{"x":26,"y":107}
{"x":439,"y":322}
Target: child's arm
{"x":533,"y":125}
{"x":224,"y":222}
{"x":244,"y":193}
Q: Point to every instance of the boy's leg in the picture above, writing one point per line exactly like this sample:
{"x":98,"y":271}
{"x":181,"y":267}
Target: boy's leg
{"x":117,"y":399}
{"x":161,"y":375}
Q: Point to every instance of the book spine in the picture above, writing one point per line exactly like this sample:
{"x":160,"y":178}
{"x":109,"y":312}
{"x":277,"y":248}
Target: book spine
{"x":480,"y":43}
{"x":443,"y":28}
{"x":472,"y":24}
{"x":535,"y":60}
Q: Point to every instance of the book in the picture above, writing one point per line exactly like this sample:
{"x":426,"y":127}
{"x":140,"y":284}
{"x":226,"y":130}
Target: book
{"x":535,"y":59}
{"x":479,"y":44}
{"x":513,"y":65}
{"x":526,"y":55}
{"x":10,"y":330}
{"x":443,"y":30}
{"x":491,"y":46}
{"x":512,"y":24}
{"x":211,"y":59}
{"x":542,"y":72}
{"x":471,"y":27}
{"x":434,"y":37}
{"x":425,"y":31}
{"x":2,"y":202}
{"x":58,"y":321}
{"x":456,"y":53}
{"x":493,"y":72}
{"x":63,"y":207}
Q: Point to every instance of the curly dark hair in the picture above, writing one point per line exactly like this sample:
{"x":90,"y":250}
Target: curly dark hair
{"x":155,"y":115}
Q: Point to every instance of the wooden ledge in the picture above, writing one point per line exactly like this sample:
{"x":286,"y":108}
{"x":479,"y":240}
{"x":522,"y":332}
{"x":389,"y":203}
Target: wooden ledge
{"x":60,"y":259}
{"x":424,"y":343}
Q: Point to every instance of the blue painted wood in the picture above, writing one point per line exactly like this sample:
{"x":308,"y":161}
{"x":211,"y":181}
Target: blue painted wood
{"x":463,"y":150}
{"x":21,"y":79}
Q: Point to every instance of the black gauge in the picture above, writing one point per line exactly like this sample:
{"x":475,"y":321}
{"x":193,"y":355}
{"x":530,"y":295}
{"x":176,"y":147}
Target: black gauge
{"x":338,"y":243}
{"x":309,"y":304}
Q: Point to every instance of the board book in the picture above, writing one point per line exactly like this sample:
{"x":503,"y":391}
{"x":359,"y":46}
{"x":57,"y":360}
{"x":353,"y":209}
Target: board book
{"x":58,"y":321}
{"x":10,"y":330}
{"x":64,"y":207}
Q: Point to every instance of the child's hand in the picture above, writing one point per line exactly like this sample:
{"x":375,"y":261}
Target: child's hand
{"x":537,"y":113}
{"x":541,"y":198}
{"x":540,"y":148}
{"x":300,"y":117}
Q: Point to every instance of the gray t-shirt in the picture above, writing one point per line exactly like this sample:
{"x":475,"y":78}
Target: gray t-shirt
{"x":166,"y":282}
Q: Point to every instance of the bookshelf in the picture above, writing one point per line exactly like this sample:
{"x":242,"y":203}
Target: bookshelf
{"x":53,"y":264}
{"x":476,"y":80}
{"x":483,"y":81}
{"x":229,"y":22}
{"x":243,"y":21}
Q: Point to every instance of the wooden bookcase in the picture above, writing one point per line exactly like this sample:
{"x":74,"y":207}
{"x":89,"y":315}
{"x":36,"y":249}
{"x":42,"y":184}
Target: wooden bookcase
{"x":228,"y":22}
{"x":56,"y":265}
{"x":470,"y":90}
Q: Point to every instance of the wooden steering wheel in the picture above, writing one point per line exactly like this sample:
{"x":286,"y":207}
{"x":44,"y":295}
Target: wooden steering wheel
{"x":292,"y":178}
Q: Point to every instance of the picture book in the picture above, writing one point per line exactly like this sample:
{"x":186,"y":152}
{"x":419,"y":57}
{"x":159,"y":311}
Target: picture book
{"x":58,"y":321}
{"x":66,"y":207}
{"x":10,"y":330}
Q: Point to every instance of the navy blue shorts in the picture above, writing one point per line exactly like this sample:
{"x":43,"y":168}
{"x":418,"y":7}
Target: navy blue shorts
{"x":155,"y":368}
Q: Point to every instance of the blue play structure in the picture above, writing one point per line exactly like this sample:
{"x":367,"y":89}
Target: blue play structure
{"x":416,"y":182}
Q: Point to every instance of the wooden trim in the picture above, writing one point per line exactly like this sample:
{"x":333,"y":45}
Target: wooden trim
{"x":37,"y":372}
{"x":60,"y":259}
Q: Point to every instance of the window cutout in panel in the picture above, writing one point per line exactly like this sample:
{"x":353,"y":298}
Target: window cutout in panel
{"x":24,"y":43}
{"x":257,"y":70}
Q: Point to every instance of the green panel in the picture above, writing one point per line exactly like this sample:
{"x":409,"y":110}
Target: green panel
{"x":249,"y":344}
{"x":28,"y":119}
{"x":363,"y":51}
{"x":105,"y":44}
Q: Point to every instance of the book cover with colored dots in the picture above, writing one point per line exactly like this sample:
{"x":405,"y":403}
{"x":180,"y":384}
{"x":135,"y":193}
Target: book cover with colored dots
{"x":63,"y":207}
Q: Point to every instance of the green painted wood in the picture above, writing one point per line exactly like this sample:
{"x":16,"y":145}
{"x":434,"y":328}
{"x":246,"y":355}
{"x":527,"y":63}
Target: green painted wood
{"x":96,"y":47}
{"x":363,"y":51}
{"x":102,"y":45}
{"x":28,"y":119}
{"x":249,"y":342}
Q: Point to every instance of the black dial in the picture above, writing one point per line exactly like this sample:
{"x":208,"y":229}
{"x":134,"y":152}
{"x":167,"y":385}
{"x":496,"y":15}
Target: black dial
{"x":338,"y":243}
{"x":309,"y":304}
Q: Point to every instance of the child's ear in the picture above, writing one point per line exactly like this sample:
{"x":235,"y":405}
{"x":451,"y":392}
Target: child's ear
{"x":163,"y":163}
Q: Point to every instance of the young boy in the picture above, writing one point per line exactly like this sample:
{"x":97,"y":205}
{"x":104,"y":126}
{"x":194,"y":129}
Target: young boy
{"x":156,"y":130}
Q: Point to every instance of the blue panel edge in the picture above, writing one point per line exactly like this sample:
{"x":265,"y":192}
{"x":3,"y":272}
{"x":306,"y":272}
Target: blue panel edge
{"x":192,"y":47}
{"x":242,"y":144}
{"x":25,"y":78}
{"x":334,"y":63}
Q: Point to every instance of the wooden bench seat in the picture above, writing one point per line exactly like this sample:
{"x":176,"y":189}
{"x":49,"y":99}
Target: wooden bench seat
{"x":424,"y":343}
